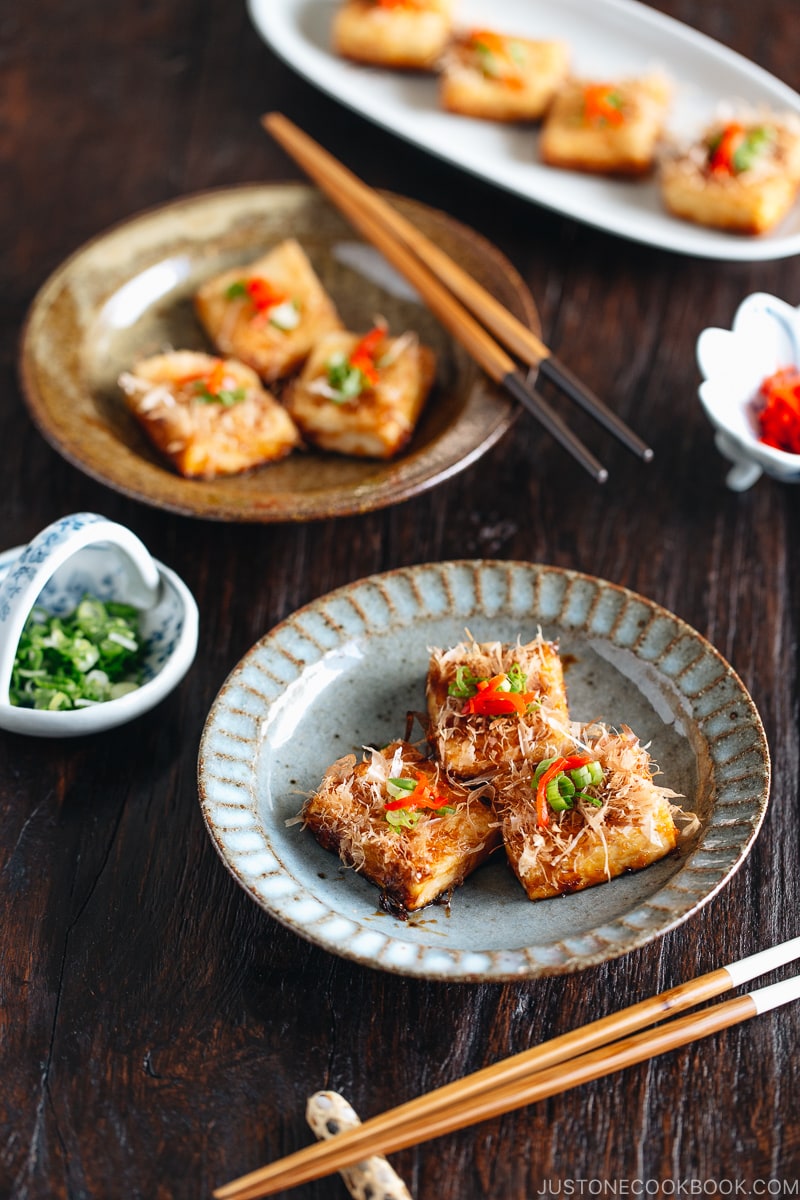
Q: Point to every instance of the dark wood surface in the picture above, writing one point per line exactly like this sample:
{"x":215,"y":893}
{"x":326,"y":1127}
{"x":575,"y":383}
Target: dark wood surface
{"x":159,"y":1032}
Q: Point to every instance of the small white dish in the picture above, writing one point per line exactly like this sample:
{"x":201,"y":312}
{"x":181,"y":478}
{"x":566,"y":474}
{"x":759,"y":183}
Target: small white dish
{"x":734,"y":362}
{"x":85,"y":553}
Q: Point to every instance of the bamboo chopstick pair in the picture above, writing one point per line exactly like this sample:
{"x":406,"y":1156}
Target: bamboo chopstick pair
{"x":555,"y":1066}
{"x":449,"y":292}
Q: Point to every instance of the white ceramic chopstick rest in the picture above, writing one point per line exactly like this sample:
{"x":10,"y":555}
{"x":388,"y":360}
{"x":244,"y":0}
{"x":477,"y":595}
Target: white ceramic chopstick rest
{"x":329,"y":1114}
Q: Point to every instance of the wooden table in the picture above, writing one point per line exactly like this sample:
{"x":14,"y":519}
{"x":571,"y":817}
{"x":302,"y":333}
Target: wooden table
{"x":160,"y":1033}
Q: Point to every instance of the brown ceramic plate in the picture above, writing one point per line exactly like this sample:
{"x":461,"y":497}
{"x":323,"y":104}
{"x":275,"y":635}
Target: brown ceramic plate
{"x":128,"y":294}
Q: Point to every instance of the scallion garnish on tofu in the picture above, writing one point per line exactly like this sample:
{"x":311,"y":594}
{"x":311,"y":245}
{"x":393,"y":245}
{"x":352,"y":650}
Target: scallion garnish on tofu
{"x":561,"y":782}
{"x":351,"y":374}
{"x":409,"y":798}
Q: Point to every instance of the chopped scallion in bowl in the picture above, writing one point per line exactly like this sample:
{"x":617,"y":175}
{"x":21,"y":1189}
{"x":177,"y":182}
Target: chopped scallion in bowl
{"x":91,"y":655}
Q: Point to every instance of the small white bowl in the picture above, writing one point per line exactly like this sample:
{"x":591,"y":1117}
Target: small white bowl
{"x":84,"y":553}
{"x":765,"y":337}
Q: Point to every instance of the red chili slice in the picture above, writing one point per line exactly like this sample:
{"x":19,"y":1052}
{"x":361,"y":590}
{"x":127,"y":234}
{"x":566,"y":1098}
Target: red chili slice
{"x":721,"y":159}
{"x":263,"y":294}
{"x":489,"y":701}
{"x":422,"y":796}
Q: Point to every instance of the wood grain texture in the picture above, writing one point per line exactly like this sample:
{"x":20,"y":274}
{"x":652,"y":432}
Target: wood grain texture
{"x":159,"y":1033}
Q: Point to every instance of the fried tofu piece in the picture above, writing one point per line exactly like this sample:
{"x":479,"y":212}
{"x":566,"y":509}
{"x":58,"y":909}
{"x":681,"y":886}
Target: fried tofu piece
{"x":625,"y":823}
{"x":470,"y":744}
{"x":413,"y":854}
{"x":393,"y":33}
{"x":269,"y":313}
{"x":209,"y":416}
{"x":500,"y":77}
{"x":606,"y":128}
{"x":741,"y":175}
{"x":362,"y":395}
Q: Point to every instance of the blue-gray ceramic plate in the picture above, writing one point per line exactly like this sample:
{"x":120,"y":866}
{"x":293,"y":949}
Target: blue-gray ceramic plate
{"x":342,"y":672}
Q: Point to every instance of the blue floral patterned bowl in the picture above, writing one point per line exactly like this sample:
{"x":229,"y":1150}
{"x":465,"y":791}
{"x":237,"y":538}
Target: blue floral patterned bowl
{"x":84,"y":553}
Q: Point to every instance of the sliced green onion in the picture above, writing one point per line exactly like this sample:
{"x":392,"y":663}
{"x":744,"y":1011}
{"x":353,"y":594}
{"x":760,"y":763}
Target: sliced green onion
{"x":581,"y":777}
{"x":557,"y":801}
{"x":542,"y":767}
{"x":92,"y":655}
{"x":346,"y":381}
{"x":560,"y":792}
{"x":227,"y":397}
{"x":517,"y":679}
{"x":595,"y":801}
{"x":755,"y":143}
{"x":403,"y":818}
{"x":398,"y":789}
{"x":596,"y":773}
{"x":465,"y":683}
{"x":487,"y":60}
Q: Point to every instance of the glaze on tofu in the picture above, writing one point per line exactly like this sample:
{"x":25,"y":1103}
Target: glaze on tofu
{"x":362,"y":395}
{"x":742,"y":175}
{"x":269,"y":313}
{"x":490,"y":704}
{"x":393,"y":33}
{"x":209,"y":416}
{"x":396,"y":819}
{"x":607,"y":128}
{"x":623,"y":823}
{"x":500,"y":77}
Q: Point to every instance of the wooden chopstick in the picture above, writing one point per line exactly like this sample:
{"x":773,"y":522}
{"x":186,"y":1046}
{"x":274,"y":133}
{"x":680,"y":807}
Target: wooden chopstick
{"x":522,"y":341}
{"x":556,"y":1066}
{"x":482,"y":347}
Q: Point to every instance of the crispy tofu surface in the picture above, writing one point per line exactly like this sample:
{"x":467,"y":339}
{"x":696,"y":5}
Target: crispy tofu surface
{"x":377,"y":423}
{"x":411,"y":35}
{"x":411,"y":866}
{"x":468,"y":745}
{"x":273,"y":339}
{"x":587,"y":845}
{"x":500,"y":77}
{"x":606,"y":128}
{"x":752,"y":201}
{"x":203,"y":434}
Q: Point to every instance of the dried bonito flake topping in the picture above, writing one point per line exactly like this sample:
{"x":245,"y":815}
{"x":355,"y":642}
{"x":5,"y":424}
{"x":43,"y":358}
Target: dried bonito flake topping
{"x":397,"y":819}
{"x":489,"y":703}
{"x":614,"y":819}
